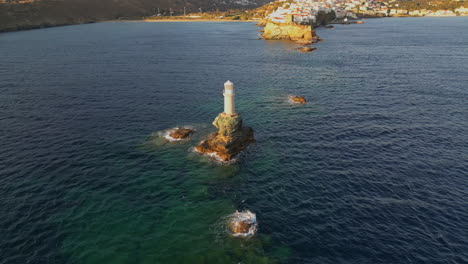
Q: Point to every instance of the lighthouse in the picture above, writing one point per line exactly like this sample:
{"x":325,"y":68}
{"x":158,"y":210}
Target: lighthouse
{"x":229,"y":98}
{"x":232,"y":137}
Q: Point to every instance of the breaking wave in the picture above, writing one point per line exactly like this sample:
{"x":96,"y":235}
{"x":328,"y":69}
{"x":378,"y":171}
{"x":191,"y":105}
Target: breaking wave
{"x":166,"y":134}
{"x":246,"y":218}
{"x":213,"y":156}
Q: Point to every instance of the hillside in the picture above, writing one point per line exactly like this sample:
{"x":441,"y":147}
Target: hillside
{"x":428,"y":4}
{"x":17,"y":15}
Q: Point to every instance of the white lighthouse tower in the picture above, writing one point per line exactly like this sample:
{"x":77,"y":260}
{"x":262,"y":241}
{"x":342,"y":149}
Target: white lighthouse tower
{"x":229,"y":98}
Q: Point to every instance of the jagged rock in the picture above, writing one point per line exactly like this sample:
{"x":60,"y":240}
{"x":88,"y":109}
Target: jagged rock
{"x":288,"y":31}
{"x":227,"y":124}
{"x":242,"y":223}
{"x":299,"y":99}
{"x":181,"y":133}
{"x":308,"y":42}
{"x":227,"y":147}
{"x":305,"y":42}
{"x":230,"y":139}
{"x":262,"y":23}
{"x":239,"y":227}
{"x":306,"y":49}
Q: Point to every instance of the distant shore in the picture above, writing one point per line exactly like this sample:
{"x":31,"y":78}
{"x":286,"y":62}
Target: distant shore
{"x":49,"y":25}
{"x":192,"y":20}
{"x":44,"y":25}
{"x":171,"y":20}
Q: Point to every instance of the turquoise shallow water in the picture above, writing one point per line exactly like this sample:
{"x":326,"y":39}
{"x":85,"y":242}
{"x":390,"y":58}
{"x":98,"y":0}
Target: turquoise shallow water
{"x":372,"y":170}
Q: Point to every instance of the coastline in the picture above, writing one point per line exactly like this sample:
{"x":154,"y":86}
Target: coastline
{"x":187,"y":20}
{"x":41,"y":26}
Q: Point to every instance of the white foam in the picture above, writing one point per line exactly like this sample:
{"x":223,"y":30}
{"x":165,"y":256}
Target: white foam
{"x":291,"y":101}
{"x":166,"y":134}
{"x":247,"y":216}
{"x":215,"y":156}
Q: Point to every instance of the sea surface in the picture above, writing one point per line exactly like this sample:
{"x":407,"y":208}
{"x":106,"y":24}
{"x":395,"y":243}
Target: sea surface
{"x":374,"y":169}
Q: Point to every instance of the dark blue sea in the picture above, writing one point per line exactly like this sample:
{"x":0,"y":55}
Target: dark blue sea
{"x":374,"y":169}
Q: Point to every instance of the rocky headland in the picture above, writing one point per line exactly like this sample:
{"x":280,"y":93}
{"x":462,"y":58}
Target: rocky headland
{"x":230,"y":139}
{"x":289,"y":31}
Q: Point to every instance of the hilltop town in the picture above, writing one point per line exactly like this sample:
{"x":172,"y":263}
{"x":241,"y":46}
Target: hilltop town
{"x":28,"y":14}
{"x":308,"y":11}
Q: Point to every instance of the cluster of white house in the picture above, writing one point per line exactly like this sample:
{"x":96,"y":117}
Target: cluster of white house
{"x":305,"y":11}
{"x":424,"y":12}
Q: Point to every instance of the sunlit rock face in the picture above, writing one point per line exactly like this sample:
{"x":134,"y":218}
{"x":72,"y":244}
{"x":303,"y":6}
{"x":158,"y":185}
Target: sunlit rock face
{"x":181,"y":133}
{"x":242,"y":224}
{"x":298,"y":99}
{"x":230,"y":139}
{"x":288,"y":31}
{"x":228,"y":124}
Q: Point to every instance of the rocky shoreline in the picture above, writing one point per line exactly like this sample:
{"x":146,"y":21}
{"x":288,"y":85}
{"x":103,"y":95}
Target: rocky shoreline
{"x":289,"y":31}
{"x":301,"y":33}
{"x":41,"y":25}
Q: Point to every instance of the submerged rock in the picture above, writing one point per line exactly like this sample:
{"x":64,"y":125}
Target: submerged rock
{"x":329,"y":27}
{"x":181,"y":133}
{"x":230,"y":139}
{"x":308,"y":42}
{"x":242,"y":224}
{"x":305,"y":42}
{"x":298,"y":99}
{"x":306,"y":49}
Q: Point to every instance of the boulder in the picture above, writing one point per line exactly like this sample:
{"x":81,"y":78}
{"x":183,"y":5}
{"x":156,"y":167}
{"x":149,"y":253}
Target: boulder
{"x":242,"y":223}
{"x":237,"y":227}
{"x":181,"y":133}
{"x":298,"y":99}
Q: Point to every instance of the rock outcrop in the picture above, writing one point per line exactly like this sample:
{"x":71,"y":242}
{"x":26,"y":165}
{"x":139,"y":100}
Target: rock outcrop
{"x":298,"y":99}
{"x":262,"y":23}
{"x":289,"y":31}
{"x":181,"y":133}
{"x":242,"y":224}
{"x":230,"y":139}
